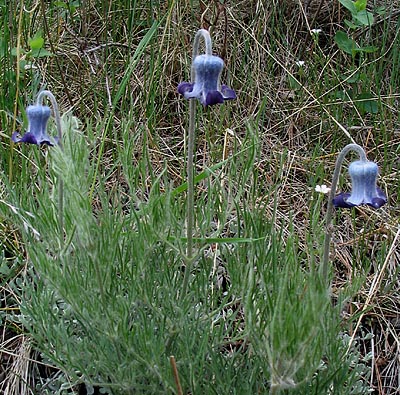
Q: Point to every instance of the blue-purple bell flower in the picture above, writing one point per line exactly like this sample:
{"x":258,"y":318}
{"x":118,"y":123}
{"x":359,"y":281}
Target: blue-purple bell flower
{"x":37,"y":122}
{"x":206,"y":86}
{"x":363,"y":176}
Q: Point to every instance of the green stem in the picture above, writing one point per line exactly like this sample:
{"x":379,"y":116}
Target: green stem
{"x":57,"y":118}
{"x":205,"y":35}
{"x":332,"y":193}
{"x":190,"y":196}
{"x":190,"y":178}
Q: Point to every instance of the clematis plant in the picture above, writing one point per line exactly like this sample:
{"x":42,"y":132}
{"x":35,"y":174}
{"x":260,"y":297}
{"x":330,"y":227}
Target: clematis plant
{"x":363,"y":174}
{"x":205,"y":86}
{"x":38,"y":116}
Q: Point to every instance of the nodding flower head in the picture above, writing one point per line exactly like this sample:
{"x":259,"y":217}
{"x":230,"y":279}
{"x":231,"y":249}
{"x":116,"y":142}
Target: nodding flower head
{"x":363,"y":176}
{"x":37,"y":122}
{"x":206,"y":86}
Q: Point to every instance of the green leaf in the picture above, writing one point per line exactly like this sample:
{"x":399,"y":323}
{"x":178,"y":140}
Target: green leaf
{"x":380,"y":10}
{"x":4,"y":268}
{"x":14,"y":51}
{"x":340,"y":95}
{"x":293,"y":83}
{"x":345,"y":43}
{"x":61,"y":4}
{"x":367,"y":103}
{"x":360,"y":5}
{"x":364,"y":17}
{"x":353,"y":79}
{"x":2,"y":47}
{"x":22,"y":64}
{"x":72,"y":5}
{"x":36,"y":42}
{"x":349,"y":5}
{"x":349,"y":46}
{"x":350,"y":24}
{"x":39,"y":53}
{"x":367,"y":49}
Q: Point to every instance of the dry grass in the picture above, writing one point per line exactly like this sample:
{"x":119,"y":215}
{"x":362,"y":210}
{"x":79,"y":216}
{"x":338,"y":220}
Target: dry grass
{"x":16,"y":361}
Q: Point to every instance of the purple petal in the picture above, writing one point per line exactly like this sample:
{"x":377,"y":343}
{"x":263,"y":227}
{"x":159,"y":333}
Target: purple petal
{"x":16,"y":137}
{"x":213,"y":97}
{"x":228,"y":93}
{"x":45,"y":139}
{"x":28,"y":138}
{"x":380,"y":200}
{"x":184,"y":87}
{"x":377,"y":202}
{"x":381,"y":194}
{"x":341,"y":200}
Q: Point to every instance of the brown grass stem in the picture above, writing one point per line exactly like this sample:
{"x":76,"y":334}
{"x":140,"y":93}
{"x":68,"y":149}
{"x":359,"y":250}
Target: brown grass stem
{"x":176,"y":375}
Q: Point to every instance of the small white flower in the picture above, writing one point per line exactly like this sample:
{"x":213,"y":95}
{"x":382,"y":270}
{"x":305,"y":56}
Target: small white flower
{"x":322,"y":189}
{"x":315,"y":32}
{"x":300,"y":63}
{"x":30,"y":66}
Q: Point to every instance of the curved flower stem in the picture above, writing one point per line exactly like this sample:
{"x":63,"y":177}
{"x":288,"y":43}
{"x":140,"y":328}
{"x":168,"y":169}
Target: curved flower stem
{"x":57,"y":118}
{"x":205,"y":35}
{"x":332,"y":193}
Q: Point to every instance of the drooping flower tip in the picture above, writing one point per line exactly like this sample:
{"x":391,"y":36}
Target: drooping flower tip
{"x":364,"y":190}
{"x":206,"y":86}
{"x":37,"y":123}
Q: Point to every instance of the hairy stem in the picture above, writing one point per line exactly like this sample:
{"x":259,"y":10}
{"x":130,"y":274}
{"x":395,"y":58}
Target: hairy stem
{"x":57,"y":118}
{"x":190,"y":195}
{"x":205,"y":35}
